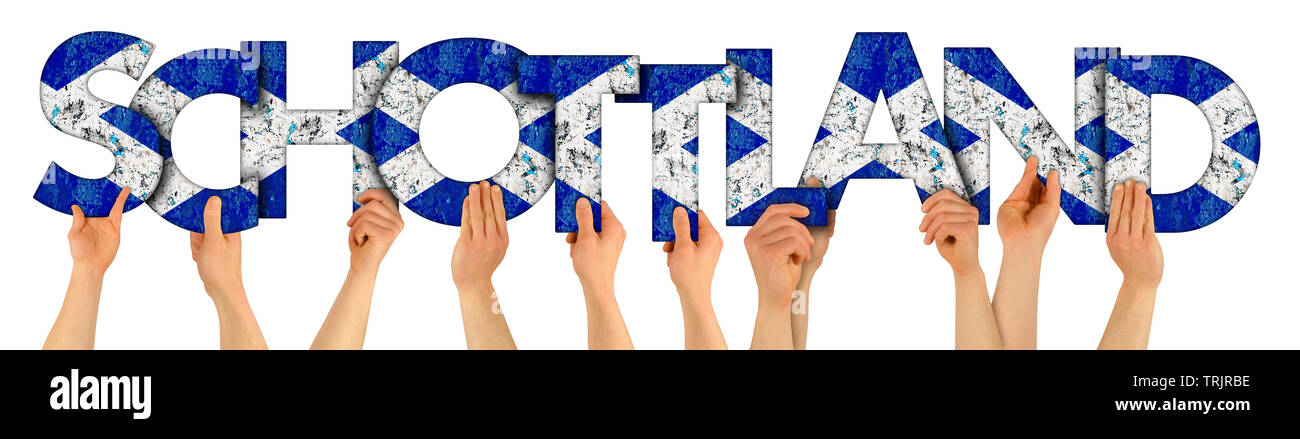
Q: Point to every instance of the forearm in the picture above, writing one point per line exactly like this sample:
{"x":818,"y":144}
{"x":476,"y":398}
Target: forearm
{"x":701,"y":324}
{"x":1130,"y":321}
{"x":1015,"y":299}
{"x":75,"y":326}
{"x":772,"y":326}
{"x":345,"y":325}
{"x":799,"y":302}
{"x":239,"y":328}
{"x":976,"y":327}
{"x":485,"y":324}
{"x":605,"y":327}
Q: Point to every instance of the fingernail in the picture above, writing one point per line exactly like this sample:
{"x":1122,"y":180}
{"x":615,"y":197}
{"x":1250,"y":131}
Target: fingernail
{"x":679,"y":212}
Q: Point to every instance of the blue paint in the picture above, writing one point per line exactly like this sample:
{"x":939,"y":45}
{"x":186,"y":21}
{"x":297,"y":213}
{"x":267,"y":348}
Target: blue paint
{"x":983,"y":65}
{"x":661,"y":83}
{"x":80,"y":54}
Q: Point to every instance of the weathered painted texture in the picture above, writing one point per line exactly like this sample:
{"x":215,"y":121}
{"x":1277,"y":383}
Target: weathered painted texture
{"x":749,"y":147}
{"x":395,"y":124}
{"x":883,"y":63}
{"x":1234,"y":130}
{"x":577,"y":83}
{"x":979,"y":90}
{"x":70,"y":107}
{"x":373,"y":62}
{"x":675,"y":92}
{"x":161,"y":98}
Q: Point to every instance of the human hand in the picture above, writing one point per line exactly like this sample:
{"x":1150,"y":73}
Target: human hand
{"x":821,"y":241}
{"x":94,"y":241}
{"x":1131,"y":236}
{"x":777,"y":245}
{"x":483,"y":240}
{"x":691,"y":264}
{"x":218,"y":257}
{"x":374,"y":227}
{"x":953,"y":224}
{"x":1026,"y":218}
{"x":595,"y":255}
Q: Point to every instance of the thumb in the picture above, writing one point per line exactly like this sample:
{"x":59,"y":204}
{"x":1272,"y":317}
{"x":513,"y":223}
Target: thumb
{"x":682,"y":228}
{"x":212,"y":218}
{"x":586,"y":228}
{"x":78,"y":218}
{"x":1052,"y":190}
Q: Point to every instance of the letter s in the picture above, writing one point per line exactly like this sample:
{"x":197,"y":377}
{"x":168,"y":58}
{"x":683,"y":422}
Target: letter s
{"x":70,"y":107}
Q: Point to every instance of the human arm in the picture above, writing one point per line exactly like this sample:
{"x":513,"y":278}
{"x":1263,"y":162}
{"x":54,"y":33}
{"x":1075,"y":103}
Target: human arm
{"x":691,"y":265}
{"x":373,"y":229}
{"x":93,"y":243}
{"x":479,"y":251}
{"x":1131,"y":239}
{"x":595,"y":257}
{"x":218,"y":257}
{"x":952,"y":225}
{"x":1025,"y":223}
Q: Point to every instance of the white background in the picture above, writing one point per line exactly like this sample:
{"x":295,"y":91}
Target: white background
{"x":1228,"y":286}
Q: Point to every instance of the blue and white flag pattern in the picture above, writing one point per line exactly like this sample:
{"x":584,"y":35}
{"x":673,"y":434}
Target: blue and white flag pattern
{"x":577,"y":83}
{"x":404,"y":168}
{"x":70,"y":107}
{"x":1130,"y":83}
{"x":675,"y":92}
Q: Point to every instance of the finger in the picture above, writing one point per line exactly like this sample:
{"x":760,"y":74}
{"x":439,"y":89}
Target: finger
{"x":357,"y":235}
{"x":668,"y":247}
{"x":1126,"y":210}
{"x":830,"y":222}
{"x":78,"y":218}
{"x":1139,"y":209}
{"x":466,"y":224}
{"x":115,"y":215}
{"x":948,"y":207}
{"x":773,"y":212}
{"x":378,"y":195}
{"x":1149,"y":226}
{"x":372,"y":227}
{"x":931,"y":232}
{"x":571,"y":237}
{"x":813,"y":182}
{"x":789,"y":228}
{"x":212,"y":218}
{"x":384,"y":197}
{"x":582,"y":210}
{"x":938,"y":197}
{"x":682,"y":228}
{"x":802,"y":254}
{"x":476,"y":212}
{"x":1116,"y":201}
{"x":489,"y":215}
{"x":375,"y":220}
{"x":796,"y":249}
{"x":196,"y":240}
{"x":607,"y":217}
{"x":952,"y":230}
{"x":499,"y":210}
{"x":1052,"y":190}
{"x":374,"y":208}
{"x":232,"y":239}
